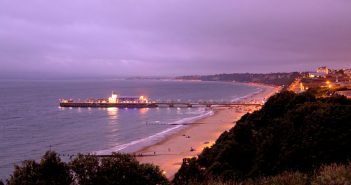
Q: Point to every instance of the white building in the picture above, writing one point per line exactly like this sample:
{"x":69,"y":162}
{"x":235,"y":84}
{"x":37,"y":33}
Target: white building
{"x":113,"y":98}
{"x":323,"y":70}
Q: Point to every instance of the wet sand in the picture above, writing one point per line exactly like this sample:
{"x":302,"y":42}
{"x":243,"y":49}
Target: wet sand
{"x":189,"y":142}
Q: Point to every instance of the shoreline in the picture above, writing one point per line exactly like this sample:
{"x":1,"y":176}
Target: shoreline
{"x":188,"y":142}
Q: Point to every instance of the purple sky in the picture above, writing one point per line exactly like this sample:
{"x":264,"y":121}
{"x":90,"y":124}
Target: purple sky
{"x":172,"y":37}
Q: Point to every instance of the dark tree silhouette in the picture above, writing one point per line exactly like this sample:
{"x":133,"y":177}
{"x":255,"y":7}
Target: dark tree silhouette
{"x":117,"y":169}
{"x":50,"y":170}
{"x":291,"y":132}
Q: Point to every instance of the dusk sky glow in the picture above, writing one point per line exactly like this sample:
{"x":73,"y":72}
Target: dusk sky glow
{"x":172,"y":37}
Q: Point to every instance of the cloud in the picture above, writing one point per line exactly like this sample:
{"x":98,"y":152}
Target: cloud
{"x":172,"y":37}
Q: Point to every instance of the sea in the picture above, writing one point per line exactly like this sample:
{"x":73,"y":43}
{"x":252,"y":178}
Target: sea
{"x":31,"y":121}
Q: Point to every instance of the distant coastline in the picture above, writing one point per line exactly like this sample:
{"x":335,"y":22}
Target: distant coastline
{"x":277,"y":79}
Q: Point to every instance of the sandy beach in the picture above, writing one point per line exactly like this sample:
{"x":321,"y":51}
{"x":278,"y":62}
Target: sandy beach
{"x":189,"y":142}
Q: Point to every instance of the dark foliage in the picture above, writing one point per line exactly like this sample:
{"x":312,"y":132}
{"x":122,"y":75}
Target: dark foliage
{"x":291,"y":132}
{"x":332,"y":174}
{"x":271,"y":78}
{"x":118,"y":169}
{"x":50,"y":170}
{"x":189,"y":170}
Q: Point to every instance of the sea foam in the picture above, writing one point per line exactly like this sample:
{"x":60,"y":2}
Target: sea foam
{"x":136,"y":145}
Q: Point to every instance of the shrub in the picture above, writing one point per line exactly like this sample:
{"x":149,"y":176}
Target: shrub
{"x":286,"y":178}
{"x":333,"y":175}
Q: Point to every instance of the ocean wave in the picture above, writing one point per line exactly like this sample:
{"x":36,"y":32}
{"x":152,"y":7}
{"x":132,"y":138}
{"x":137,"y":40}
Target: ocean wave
{"x":259,"y":90}
{"x":148,"y":141}
{"x":199,"y":111}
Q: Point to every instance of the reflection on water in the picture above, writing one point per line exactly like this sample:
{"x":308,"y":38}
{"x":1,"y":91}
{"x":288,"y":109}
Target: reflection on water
{"x":113,"y":126}
{"x":112,"y":113}
{"x":143,"y":111}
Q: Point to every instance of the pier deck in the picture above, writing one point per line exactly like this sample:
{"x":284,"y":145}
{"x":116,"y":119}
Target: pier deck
{"x":157,"y":104}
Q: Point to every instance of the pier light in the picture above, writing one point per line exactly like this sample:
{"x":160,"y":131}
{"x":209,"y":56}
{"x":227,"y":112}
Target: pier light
{"x":113,"y":98}
{"x":143,"y":99}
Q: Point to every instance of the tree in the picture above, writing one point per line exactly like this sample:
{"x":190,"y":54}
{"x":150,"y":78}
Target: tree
{"x":189,"y":171}
{"x":117,"y":169}
{"x":28,"y":173}
{"x":50,"y":170}
{"x":86,"y":170}
{"x":53,"y":171}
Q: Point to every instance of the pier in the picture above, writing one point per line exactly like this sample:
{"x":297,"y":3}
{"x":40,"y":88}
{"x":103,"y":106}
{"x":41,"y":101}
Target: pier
{"x":143,"y":102}
{"x":204,"y":104}
{"x":168,"y":104}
